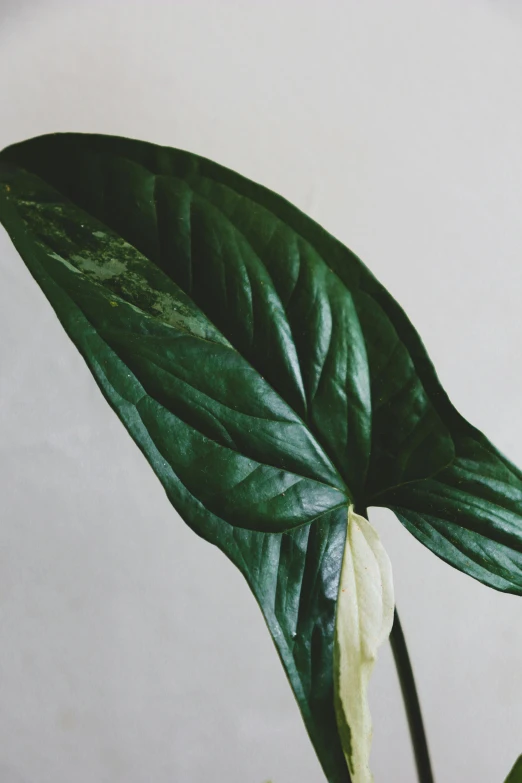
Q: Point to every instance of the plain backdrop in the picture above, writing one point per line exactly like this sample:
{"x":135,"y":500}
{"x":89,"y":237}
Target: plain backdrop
{"x":131,"y":650}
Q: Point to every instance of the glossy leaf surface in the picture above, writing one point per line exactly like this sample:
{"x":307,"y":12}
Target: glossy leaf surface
{"x":269,"y":379}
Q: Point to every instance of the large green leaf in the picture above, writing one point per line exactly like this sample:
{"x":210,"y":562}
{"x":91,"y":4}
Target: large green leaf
{"x":266,"y":375}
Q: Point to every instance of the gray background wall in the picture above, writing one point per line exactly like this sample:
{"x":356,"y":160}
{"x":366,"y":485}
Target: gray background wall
{"x":131,"y":650}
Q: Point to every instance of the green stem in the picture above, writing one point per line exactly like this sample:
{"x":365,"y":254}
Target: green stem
{"x":411,"y":702}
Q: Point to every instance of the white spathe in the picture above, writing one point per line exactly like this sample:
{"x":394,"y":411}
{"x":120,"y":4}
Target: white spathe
{"x":364,"y":621}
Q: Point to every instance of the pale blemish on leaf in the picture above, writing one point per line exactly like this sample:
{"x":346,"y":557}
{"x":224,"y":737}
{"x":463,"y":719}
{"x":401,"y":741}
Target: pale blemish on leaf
{"x":110,"y":269}
{"x":108,"y":260}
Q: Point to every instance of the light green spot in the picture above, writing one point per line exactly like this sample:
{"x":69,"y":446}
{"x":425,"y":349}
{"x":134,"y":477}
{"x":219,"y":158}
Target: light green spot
{"x":66,"y":234}
{"x":106,"y":271}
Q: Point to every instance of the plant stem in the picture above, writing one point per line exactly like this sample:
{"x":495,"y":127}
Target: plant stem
{"x":411,"y":702}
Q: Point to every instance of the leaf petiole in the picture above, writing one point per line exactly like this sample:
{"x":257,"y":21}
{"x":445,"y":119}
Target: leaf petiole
{"x":411,"y":702}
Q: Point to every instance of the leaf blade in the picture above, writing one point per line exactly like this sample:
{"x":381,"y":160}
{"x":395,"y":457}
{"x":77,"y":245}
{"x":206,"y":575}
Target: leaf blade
{"x":515,"y":776}
{"x":469,"y":514}
{"x":127,"y":170}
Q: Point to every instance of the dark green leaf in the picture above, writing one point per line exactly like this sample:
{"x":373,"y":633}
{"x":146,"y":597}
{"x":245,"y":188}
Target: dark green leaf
{"x":469,"y":513}
{"x":266,"y":375}
{"x":515,"y":776}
